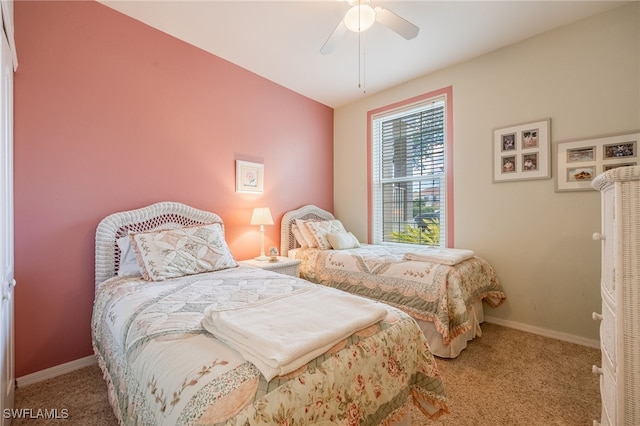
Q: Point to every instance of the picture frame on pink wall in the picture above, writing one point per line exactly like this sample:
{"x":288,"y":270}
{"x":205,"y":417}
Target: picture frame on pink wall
{"x":249,"y":177}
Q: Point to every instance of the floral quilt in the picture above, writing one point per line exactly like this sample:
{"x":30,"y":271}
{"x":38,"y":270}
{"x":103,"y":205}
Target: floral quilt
{"x":428,"y":291}
{"x":163,"y":368}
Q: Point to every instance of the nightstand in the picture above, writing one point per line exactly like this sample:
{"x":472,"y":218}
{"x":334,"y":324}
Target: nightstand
{"x":283,"y":265}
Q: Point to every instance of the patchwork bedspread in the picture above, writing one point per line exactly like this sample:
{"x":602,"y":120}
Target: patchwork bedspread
{"x":163,"y":368}
{"x":433,"y":292}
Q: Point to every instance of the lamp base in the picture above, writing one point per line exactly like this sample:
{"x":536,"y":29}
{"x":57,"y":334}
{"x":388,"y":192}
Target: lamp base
{"x":261,"y":258}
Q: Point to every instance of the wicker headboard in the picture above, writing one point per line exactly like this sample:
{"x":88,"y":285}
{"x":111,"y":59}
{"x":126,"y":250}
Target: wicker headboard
{"x":287,"y":240}
{"x":164,"y":215}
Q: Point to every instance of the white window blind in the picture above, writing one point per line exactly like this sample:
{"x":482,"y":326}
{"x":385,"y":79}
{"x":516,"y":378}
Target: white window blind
{"x":409,"y":172}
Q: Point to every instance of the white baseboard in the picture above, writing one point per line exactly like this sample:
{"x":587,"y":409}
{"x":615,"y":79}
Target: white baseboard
{"x":545,"y":332}
{"x":58,"y":370}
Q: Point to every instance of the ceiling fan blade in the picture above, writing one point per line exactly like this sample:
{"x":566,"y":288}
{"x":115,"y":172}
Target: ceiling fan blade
{"x":396,"y":23}
{"x":334,"y":38}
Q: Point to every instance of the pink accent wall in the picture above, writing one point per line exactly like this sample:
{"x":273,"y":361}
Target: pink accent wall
{"x":111,"y":115}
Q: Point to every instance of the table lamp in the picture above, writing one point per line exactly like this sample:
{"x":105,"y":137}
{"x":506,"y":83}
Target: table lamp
{"x":261,"y":216}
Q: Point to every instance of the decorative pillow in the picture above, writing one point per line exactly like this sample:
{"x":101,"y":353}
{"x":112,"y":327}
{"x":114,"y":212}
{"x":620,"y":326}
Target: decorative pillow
{"x":128,"y":261}
{"x":306,"y":234}
{"x":342,"y":240}
{"x":185,"y":251}
{"x":319,"y":231}
{"x":298,"y":236}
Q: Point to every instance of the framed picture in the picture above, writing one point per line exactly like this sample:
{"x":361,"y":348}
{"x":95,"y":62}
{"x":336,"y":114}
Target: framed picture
{"x":249,"y":177}
{"x":579,"y":161}
{"x":521,"y":152}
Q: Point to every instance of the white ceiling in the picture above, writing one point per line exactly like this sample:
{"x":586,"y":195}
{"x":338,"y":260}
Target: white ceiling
{"x":281,"y":40}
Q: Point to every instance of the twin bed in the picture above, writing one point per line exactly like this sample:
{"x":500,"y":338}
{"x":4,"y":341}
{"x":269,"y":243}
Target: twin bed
{"x":443,"y":291}
{"x":176,"y":320}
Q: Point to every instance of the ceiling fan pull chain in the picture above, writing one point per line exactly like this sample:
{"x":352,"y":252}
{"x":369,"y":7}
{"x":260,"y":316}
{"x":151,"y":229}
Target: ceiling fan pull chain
{"x":359,"y":50}
{"x":364,"y":69}
{"x":361,"y":65}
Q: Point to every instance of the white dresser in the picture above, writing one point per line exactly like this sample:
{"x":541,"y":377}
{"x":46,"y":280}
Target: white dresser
{"x":620,"y":288}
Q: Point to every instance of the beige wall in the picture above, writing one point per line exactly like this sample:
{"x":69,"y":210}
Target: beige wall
{"x":585,"y":77}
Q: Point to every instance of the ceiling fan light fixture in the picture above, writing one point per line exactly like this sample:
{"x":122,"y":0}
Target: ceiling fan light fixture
{"x":359,"y":18}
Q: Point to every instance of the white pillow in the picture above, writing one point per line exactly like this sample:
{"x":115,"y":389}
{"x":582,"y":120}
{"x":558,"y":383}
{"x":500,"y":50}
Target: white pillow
{"x":306,"y":234}
{"x":342,"y":240}
{"x":128,"y":261}
{"x":319,"y":231}
{"x":298,"y":236}
{"x":184,"y":251}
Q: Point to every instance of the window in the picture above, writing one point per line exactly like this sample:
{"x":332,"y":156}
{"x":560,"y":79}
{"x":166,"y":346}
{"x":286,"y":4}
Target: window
{"x":410,"y":185}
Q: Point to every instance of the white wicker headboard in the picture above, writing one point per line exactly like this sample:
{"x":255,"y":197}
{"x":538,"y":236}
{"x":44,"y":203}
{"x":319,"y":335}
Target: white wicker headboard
{"x":163,"y":215}
{"x":287,"y":240}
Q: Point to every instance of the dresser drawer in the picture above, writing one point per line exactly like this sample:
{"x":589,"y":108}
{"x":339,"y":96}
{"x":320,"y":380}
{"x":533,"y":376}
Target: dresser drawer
{"x":608,"y":338}
{"x":608,"y":242}
{"x":608,"y":393}
{"x":605,"y":420}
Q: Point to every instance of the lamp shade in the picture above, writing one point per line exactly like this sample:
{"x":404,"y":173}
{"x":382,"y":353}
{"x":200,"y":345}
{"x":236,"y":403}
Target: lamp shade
{"x":261,"y":216}
{"x":359,"y":18}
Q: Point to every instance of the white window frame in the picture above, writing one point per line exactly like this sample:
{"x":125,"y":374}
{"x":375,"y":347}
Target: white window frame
{"x":424,"y":102}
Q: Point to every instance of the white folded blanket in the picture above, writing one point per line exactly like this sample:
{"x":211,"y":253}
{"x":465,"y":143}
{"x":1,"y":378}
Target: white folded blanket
{"x":446,"y":256}
{"x":282,"y":333}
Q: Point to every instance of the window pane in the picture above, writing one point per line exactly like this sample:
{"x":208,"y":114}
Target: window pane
{"x":411,"y":212}
{"x":409,"y":161}
{"x":413,"y":145}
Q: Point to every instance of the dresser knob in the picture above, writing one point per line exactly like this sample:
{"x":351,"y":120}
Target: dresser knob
{"x":598,"y":237}
{"x":596,"y":370}
{"x":596,"y":316}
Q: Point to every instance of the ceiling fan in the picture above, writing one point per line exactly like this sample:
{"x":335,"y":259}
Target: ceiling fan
{"x":361,"y":16}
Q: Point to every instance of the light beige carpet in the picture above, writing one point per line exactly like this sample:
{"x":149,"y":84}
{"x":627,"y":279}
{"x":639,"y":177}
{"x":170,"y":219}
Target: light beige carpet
{"x":506,"y":377}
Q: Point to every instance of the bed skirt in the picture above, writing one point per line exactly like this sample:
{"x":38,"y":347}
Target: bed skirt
{"x":452,"y":350}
